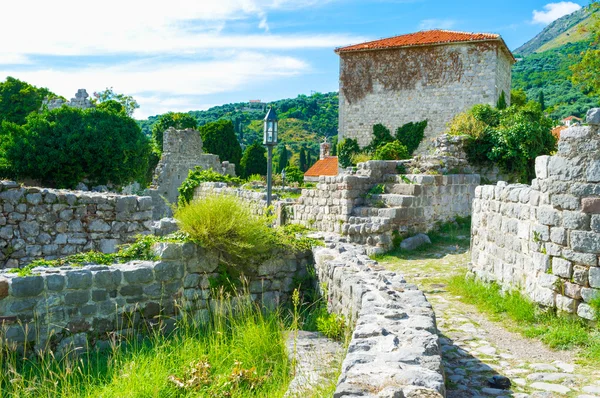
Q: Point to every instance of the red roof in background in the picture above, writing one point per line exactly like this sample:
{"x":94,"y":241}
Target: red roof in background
{"x":571,"y":118}
{"x":324,"y":167}
{"x":427,"y":37}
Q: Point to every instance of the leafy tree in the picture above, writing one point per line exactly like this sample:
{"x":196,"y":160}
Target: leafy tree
{"x":254,"y":160}
{"x":219,"y":138}
{"x":282,"y":162}
{"x":334,"y":146}
{"x":66,"y":145}
{"x":501,"y":104}
{"x":128,"y":102}
{"x":347,"y":148}
{"x":391,"y":151}
{"x":411,"y":134}
{"x":302,"y":160}
{"x":112,"y":106}
{"x":486,"y":114}
{"x":585,"y":73}
{"x":309,"y":161}
{"x":18,"y":99}
{"x":518,"y":97}
{"x":179,"y":121}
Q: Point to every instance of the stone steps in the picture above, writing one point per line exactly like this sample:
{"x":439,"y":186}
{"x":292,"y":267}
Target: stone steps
{"x":393,"y":200}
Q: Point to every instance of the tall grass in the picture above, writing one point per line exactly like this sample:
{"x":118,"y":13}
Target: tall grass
{"x":239,"y":351}
{"x":556,"y":330}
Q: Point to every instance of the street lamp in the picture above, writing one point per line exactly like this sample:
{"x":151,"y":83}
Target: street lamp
{"x":270,"y":140}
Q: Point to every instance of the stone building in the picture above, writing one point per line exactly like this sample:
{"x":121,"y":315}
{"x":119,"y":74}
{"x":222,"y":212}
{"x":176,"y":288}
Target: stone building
{"x":327,"y":165}
{"x":80,"y":101}
{"x":431,"y":75}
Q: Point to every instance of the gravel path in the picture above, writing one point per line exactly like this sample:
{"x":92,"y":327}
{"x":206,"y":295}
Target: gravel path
{"x":476,"y":349}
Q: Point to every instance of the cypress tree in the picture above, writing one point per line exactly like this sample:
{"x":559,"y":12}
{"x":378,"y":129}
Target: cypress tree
{"x":283,"y":159}
{"x":541,"y":100}
{"x":501,"y":101}
{"x":302,"y":159}
{"x":308,"y":160}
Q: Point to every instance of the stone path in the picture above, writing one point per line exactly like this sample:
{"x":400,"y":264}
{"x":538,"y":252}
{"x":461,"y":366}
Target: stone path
{"x":476,"y":349}
{"x":318,"y":361}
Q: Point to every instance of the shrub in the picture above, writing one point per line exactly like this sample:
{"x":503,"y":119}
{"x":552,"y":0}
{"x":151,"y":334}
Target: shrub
{"x":18,"y":99}
{"x":466,"y":124}
{"x":391,"y":151}
{"x":411,"y":135}
{"x":361,"y":157}
{"x":346,"y":149}
{"x":196,"y":177}
{"x":381,"y":136}
{"x":64,"y":146}
{"x":332,"y":325}
{"x":486,"y":114}
{"x":294,"y":174}
{"x":226,"y":225}
{"x":501,"y":104}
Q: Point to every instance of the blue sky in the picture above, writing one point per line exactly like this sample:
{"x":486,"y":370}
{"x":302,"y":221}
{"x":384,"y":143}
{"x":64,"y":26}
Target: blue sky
{"x":185,"y":55}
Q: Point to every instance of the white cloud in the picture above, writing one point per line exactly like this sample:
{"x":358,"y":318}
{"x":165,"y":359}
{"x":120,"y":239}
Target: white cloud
{"x":553,"y":11}
{"x":168,"y":83}
{"x":13,"y":59}
{"x":437,"y":24}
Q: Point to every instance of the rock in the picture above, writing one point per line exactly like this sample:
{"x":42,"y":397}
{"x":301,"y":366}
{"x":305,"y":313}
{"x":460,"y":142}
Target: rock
{"x":593,"y":116}
{"x":28,"y":286}
{"x":79,"y":280}
{"x":82,"y":187}
{"x":3,"y":288}
{"x":415,"y":242}
{"x":499,"y":382}
{"x":558,"y":388}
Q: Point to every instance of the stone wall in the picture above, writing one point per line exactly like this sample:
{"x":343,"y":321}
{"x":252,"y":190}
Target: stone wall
{"x":544,"y":239}
{"x":80,"y":101}
{"x":65,"y":308}
{"x":409,"y":204}
{"x":182,"y":152}
{"x":394,"y":350}
{"x":48,"y":223}
{"x":397,"y":86}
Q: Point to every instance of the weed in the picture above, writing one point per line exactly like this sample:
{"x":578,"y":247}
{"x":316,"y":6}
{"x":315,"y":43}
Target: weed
{"x":378,"y":189}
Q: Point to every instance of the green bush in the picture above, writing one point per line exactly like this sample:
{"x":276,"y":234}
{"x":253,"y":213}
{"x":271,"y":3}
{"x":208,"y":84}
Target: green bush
{"x":196,"y":177}
{"x":501,"y":104}
{"x":391,"y":151}
{"x":227,"y":226}
{"x":486,"y":114}
{"x":346,"y":149}
{"x":381,"y":136}
{"x":18,"y":99}
{"x":64,"y":146}
{"x":294,"y":174}
{"x":411,"y":134}
{"x":332,"y":325}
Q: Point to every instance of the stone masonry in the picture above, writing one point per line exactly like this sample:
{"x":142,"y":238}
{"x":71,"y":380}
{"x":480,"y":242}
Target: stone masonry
{"x":408,"y":204}
{"x":182,"y":152}
{"x":544,"y":239}
{"x":80,"y":101}
{"x":40,"y":223}
{"x":434,"y":82}
{"x":394,"y":350}
{"x":79,"y":307}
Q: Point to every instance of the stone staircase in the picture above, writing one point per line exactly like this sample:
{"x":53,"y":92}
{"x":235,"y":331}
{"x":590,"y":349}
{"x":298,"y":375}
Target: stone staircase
{"x":380,"y":215}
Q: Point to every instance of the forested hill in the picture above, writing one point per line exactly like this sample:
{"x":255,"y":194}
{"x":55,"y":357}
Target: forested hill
{"x":549,"y":72}
{"x":315,"y":116}
{"x":560,"y":32}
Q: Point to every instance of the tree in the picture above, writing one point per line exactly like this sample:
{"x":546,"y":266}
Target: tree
{"x":541,"y":100}
{"x":283,"y":159}
{"x":585,"y":73}
{"x":518,"y":97}
{"x":179,"y":121}
{"x":64,"y":146}
{"x":411,"y":134}
{"x":128,"y":102}
{"x":219,"y":139}
{"x":501,"y":104}
{"x":309,"y":162}
{"x":254,"y":160}
{"x":347,"y":148}
{"x":294,"y":174}
{"x":302,"y":159}
{"x":381,"y":135}
{"x":18,"y":99}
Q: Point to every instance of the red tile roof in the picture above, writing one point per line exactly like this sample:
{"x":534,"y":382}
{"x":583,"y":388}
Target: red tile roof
{"x":324,"y":167}
{"x":427,"y":37}
{"x":571,"y":118}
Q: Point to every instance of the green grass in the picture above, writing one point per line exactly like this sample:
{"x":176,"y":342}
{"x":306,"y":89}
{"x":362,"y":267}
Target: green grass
{"x":555,"y":330}
{"x":238,"y":353}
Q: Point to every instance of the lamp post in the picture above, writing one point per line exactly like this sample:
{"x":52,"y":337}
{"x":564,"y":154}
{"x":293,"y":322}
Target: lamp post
{"x":270,"y":140}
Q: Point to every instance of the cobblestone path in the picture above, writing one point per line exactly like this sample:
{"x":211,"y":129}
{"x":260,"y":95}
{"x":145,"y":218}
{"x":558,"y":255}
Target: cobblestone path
{"x":476,"y":349}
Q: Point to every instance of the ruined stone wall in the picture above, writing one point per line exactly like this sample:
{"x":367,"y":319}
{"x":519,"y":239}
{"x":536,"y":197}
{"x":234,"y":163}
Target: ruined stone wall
{"x":410,"y":203}
{"x":182,"y":152}
{"x":80,"y":101}
{"x":394,"y":350}
{"x":397,"y":86}
{"x":544,"y":239}
{"x":48,"y":223}
{"x":79,"y":307}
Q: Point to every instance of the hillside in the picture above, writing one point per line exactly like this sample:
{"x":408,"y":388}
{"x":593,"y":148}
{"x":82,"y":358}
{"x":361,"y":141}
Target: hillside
{"x":560,"y":32}
{"x":549,"y":71}
{"x":303,"y":121}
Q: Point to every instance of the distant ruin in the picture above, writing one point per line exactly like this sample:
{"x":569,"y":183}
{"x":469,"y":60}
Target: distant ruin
{"x":80,"y":101}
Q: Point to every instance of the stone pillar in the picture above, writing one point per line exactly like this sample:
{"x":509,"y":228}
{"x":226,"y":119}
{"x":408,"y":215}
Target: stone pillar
{"x":325,"y":149}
